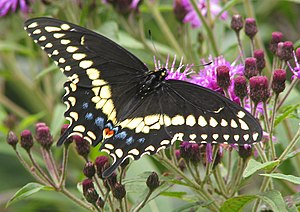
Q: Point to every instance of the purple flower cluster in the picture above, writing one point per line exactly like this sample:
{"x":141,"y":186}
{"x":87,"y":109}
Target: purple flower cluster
{"x":185,"y":12}
{"x":13,"y":5}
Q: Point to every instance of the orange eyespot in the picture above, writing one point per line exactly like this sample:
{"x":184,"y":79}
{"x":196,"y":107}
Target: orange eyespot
{"x":107,"y":133}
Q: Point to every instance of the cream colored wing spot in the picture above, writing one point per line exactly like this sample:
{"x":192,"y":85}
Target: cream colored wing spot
{"x":150,"y":148}
{"x":55,"y":52}
{"x":49,"y":45}
{"x":37,"y":31}
{"x":62,"y":60}
{"x":243,"y":124}
{"x":236,"y":137}
{"x":108,"y":107}
{"x":146,"y":129}
{"x":98,"y":82}
{"x":71,"y":49}
{"x":224,"y":123}
{"x":204,"y":136}
{"x":32,"y":25}
{"x":58,"y":35}
{"x":226,"y":137}
{"x":96,"y":91}
{"x":164,"y":142}
{"x":201,"y":121}
{"x":65,"y":41}
{"x":190,"y":120}
{"x":140,"y":127}
{"x":92,"y":135}
{"x":73,"y":87}
{"x":151,"y":119}
{"x":105,"y":92}
{"x":79,"y":128}
{"x":155,"y":126}
{"x":219,"y":110}
{"x":78,"y":56}
{"x":255,"y":136}
{"x":74,"y":115}
{"x":72,"y":100}
{"x":134,"y":152}
{"x":193,"y":136}
{"x":134,"y":123}
{"x":178,"y":120}
{"x":246,"y":137}
{"x":93,"y":73}
{"x":233,"y":124}
{"x":52,"y":29}
{"x":241,"y":114}
{"x":213,"y":122}
{"x":177,"y":137}
{"x":109,"y":146}
{"x":88,"y":139}
{"x":167,"y":120}
{"x":42,"y":38}
{"x":215,"y":136}
{"x":68,"y":68}
{"x":85,"y":64}
{"x":82,"y":40}
{"x":65,"y":26}
{"x":36,"y":41}
{"x":119,"y":153}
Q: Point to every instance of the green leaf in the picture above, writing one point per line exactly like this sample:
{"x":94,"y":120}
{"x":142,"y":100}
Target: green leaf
{"x":292,"y":154}
{"x":58,"y":119}
{"x":26,"y":191}
{"x":30,"y":120}
{"x":290,"y":178}
{"x":236,"y":203}
{"x":174,"y":194}
{"x":254,"y":166}
{"x":194,"y":205}
{"x":287,"y":112}
{"x":272,"y":198}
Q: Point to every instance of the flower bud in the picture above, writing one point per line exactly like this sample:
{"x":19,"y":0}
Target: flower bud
{"x":89,"y":169}
{"x":43,"y":136}
{"x":91,"y":195}
{"x":245,"y":151}
{"x":240,"y":87}
{"x":86,"y":184}
{"x":297,"y":53}
{"x":237,"y":23}
{"x":119,"y":191}
{"x":278,"y":83}
{"x":190,"y":152}
{"x":26,"y":140}
{"x":250,"y":68}
{"x":223,"y":78}
{"x":180,"y":9}
{"x":101,"y":164}
{"x":12,"y":139}
{"x":152,"y":181}
{"x":276,"y":38}
{"x":100,"y":202}
{"x":259,"y":91}
{"x":250,"y":27}
{"x":69,"y":140}
{"x":285,"y":50}
{"x":82,"y":146}
{"x":259,"y":55}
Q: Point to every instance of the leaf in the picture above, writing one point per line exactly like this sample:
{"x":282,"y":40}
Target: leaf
{"x":290,"y":178}
{"x":272,"y":198}
{"x":57,"y":119}
{"x":287,"y":112}
{"x":254,"y":166}
{"x":190,"y":206}
{"x":26,"y":191}
{"x":292,"y":154}
{"x":173,"y":194}
{"x":30,"y":120}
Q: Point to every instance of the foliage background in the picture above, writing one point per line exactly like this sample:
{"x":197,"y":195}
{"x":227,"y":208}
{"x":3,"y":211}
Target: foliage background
{"x":31,"y":85}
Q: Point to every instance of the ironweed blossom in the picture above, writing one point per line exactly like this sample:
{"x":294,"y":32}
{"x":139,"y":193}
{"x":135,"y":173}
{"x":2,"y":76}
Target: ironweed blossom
{"x":13,"y":5}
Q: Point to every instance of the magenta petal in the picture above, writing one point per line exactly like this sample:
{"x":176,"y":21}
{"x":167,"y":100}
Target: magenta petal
{"x":209,"y":157}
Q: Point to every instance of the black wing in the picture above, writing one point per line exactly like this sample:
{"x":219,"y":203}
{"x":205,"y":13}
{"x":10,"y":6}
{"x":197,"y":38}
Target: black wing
{"x":94,"y":65}
{"x":180,"y":111}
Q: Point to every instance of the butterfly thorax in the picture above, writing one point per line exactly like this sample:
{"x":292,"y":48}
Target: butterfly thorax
{"x":153,"y":81}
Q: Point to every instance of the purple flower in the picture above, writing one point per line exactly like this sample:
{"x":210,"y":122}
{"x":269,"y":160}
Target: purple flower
{"x":296,"y":69}
{"x":192,"y":17}
{"x":13,"y":5}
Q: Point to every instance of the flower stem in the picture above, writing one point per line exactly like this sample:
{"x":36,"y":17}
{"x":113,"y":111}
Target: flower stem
{"x":143,"y":203}
{"x":292,"y":85}
{"x":64,"y":166}
{"x":207,"y":28}
{"x":51,"y":167}
{"x":77,"y":200}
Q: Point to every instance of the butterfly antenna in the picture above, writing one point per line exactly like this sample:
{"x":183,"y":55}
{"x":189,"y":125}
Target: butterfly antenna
{"x":155,"y":50}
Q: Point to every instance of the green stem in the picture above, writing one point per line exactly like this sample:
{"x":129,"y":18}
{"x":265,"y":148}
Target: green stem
{"x":51,"y":167}
{"x":220,"y":181}
{"x":143,"y":203}
{"x":164,"y":27}
{"x":207,"y":28}
{"x":77,"y":200}
{"x":292,"y":85}
{"x":64,"y":166}
{"x":273,"y":151}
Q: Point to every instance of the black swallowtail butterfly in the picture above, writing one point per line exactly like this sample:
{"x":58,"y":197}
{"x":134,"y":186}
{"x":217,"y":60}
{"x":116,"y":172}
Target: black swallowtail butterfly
{"x":113,"y":98}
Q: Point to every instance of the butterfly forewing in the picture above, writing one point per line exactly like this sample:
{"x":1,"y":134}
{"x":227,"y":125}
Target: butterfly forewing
{"x":104,"y":99}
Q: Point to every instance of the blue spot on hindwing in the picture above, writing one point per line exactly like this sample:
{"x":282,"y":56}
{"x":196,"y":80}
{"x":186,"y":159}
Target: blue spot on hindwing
{"x":99,"y":121}
{"x":122,"y":135}
{"x":85,"y":105}
{"x":129,"y":140}
{"x":89,"y":116}
{"x":109,"y":125}
{"x":141,"y":140}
